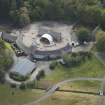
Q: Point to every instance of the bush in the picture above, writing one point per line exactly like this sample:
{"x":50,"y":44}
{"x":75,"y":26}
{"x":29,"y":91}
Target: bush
{"x":100,"y":41}
{"x":85,"y":54}
{"x":53,"y":65}
{"x":31,"y":85}
{"x":83,"y":34}
{"x":41,"y":74}
{"x":13,"y":86}
{"x":18,"y":77}
{"x":75,"y":59}
{"x":22,"y":86}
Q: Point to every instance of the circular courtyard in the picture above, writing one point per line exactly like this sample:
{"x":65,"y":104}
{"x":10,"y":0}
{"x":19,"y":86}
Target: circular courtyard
{"x":46,"y":40}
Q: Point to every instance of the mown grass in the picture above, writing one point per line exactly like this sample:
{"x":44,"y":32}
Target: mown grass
{"x":90,"y":68}
{"x":70,"y":99}
{"x":9,"y":96}
{"x":8,"y":46}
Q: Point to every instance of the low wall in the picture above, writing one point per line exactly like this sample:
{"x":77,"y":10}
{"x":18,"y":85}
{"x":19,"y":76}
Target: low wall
{"x":52,"y":54}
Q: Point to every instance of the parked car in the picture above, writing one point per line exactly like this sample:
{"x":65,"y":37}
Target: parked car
{"x":101,"y":93}
{"x":74,"y":44}
{"x":57,"y":88}
{"x":34,"y":60}
{"x":20,"y":53}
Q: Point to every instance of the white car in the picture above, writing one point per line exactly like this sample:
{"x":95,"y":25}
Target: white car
{"x":34,"y":60}
{"x":74,"y":44}
{"x":101,"y":93}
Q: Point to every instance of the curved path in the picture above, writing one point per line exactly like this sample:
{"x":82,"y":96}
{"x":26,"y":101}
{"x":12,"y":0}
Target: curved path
{"x":55,"y":87}
{"x":101,"y":98}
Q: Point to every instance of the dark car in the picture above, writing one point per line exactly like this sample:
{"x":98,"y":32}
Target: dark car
{"x":14,"y":46}
{"x":57,"y":88}
{"x":20,"y":53}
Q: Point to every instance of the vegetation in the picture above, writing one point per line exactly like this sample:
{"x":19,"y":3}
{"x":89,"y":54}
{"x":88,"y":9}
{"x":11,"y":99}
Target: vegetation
{"x":41,"y":74}
{"x":12,"y":96}
{"x":83,"y":35}
{"x":30,"y":85}
{"x":6,"y":60}
{"x":63,"y":98}
{"x":100,"y":40}
{"x":89,"y":68}
{"x":22,"y":12}
{"x":75,"y":59}
{"x":18,"y":77}
{"x":22,"y":86}
{"x":53,"y":65}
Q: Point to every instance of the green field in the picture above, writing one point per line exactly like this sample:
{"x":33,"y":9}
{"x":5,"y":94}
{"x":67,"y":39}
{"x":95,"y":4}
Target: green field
{"x":8,"y":46}
{"x":90,"y":68}
{"x":70,"y":99}
{"x":9,"y":96}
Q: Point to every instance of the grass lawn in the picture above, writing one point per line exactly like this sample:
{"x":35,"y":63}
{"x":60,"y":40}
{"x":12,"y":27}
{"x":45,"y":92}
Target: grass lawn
{"x":90,"y":68}
{"x":19,"y":97}
{"x":8,"y":46}
{"x":70,"y":99}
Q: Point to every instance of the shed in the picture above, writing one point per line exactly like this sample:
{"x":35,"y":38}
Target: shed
{"x":9,"y":38}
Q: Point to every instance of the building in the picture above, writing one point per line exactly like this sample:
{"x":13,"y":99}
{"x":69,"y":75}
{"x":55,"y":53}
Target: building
{"x":9,"y":38}
{"x":47,"y":39}
{"x":24,"y":67}
{"x":56,"y":35}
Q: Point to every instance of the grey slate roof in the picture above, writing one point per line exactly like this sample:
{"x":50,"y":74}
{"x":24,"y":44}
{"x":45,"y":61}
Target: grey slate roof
{"x":8,"y":37}
{"x":24,"y":67}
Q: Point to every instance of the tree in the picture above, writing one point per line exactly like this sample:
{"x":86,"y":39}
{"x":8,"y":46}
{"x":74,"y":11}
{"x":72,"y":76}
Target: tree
{"x":83,"y":34}
{"x":21,"y":16}
{"x":4,"y":8}
{"x":22,"y":86}
{"x":90,"y":15}
{"x":100,"y":41}
{"x":53,"y":65}
{"x":87,"y":12}
{"x":40,"y":75}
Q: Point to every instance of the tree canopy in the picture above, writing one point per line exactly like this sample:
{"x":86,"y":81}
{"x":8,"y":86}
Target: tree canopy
{"x":83,"y":34}
{"x":100,"y":41}
{"x":22,"y":12}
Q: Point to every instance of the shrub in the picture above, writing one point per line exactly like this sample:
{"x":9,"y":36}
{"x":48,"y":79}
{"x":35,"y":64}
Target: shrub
{"x":18,"y":77}
{"x":22,"y":86}
{"x":75,"y":59}
{"x":31,"y":85}
{"x":53,"y":65}
{"x":85,"y":54}
{"x":100,"y":41}
{"x":41,"y":74}
{"x":83,"y":34}
{"x":13,"y":86}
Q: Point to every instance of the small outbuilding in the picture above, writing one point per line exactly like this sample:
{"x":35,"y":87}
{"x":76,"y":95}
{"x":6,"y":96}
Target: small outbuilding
{"x":9,"y":38}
